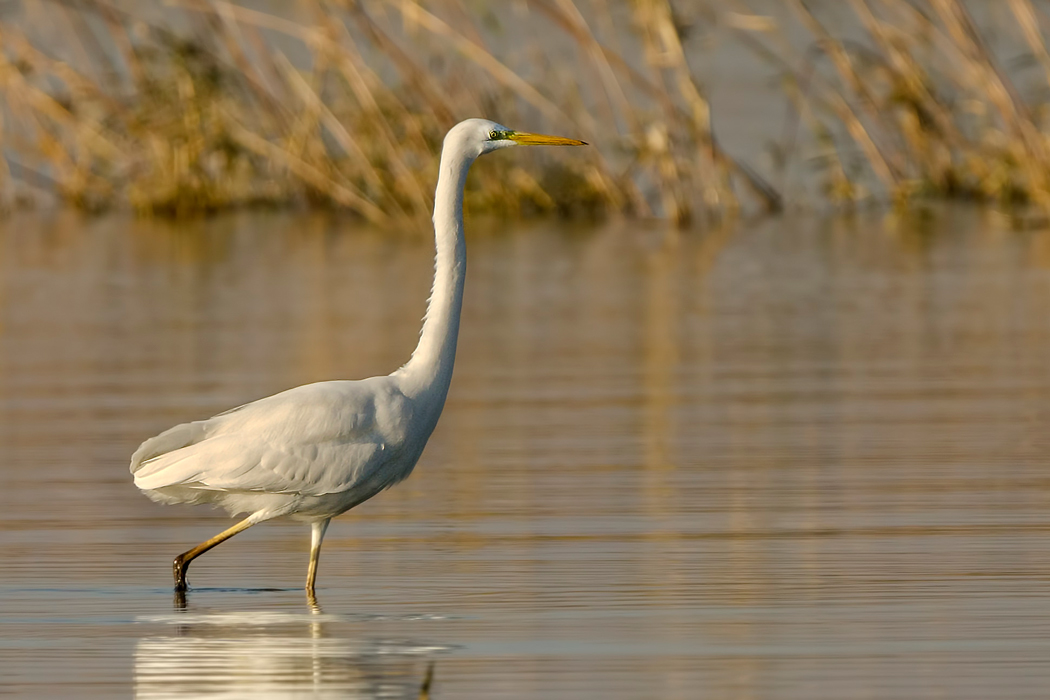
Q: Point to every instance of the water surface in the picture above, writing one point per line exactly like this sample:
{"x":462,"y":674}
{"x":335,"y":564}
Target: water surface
{"x":793,"y":459}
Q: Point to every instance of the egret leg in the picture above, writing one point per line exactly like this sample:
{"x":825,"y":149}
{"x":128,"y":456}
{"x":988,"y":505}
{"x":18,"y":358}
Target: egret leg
{"x":182,"y":562}
{"x":317,"y":530}
{"x":428,"y":680}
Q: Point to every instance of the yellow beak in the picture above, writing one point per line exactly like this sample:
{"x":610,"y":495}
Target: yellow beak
{"x":527,"y":139}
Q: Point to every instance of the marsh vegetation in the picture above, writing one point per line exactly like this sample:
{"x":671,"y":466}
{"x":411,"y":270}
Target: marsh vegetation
{"x":201,"y":105}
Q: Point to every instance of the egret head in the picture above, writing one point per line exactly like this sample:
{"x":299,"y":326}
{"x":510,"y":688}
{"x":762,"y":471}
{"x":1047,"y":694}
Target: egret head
{"x":475,"y":137}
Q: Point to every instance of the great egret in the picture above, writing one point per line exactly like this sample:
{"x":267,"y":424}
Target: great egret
{"x":318,"y":450}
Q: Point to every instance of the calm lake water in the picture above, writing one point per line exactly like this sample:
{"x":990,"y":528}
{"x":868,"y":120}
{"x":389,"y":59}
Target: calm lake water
{"x":793,"y":459}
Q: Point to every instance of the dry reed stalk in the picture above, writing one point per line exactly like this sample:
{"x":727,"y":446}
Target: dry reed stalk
{"x":926,"y":58}
{"x":666,"y":51}
{"x":1029,"y":24}
{"x":415,"y":12}
{"x":616,"y":102}
{"x":354,"y":69}
{"x":187,"y":143}
{"x":1026,"y":148}
{"x":309,"y":97}
{"x":174,"y":124}
{"x":308,"y":173}
{"x":222,"y":26}
{"x":566,"y":16}
{"x":906,"y":69}
{"x":836,"y":51}
{"x":417,"y":78}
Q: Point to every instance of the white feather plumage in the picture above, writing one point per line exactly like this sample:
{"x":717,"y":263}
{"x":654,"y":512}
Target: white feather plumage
{"x":317,"y":450}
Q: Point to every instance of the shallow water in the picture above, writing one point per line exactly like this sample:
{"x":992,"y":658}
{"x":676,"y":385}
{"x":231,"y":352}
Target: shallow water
{"x":797,"y":459}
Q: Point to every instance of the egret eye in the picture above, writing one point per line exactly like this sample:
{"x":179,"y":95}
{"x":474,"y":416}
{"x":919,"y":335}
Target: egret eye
{"x":493,"y":135}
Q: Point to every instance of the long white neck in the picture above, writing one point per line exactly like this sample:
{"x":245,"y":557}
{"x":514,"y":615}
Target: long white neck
{"x":429,"y":371}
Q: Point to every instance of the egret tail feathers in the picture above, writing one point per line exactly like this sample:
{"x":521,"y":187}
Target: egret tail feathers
{"x":170,"y":440}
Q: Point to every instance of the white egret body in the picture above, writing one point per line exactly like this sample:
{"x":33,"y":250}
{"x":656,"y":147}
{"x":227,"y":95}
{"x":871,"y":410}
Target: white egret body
{"x":318,"y":450}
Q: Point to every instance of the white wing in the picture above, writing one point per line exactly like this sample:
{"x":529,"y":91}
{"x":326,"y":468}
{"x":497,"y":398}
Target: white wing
{"x":312,"y":440}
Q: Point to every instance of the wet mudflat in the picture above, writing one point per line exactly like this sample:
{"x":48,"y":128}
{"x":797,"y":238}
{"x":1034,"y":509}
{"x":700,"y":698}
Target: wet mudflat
{"x":795,"y":459}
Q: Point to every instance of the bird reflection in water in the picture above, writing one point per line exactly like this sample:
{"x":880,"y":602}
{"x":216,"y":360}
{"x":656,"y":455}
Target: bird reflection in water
{"x":276,"y":655}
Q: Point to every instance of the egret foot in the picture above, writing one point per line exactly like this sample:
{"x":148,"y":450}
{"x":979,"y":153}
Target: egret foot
{"x":182,"y":562}
{"x":178,"y":570}
{"x":428,"y":680}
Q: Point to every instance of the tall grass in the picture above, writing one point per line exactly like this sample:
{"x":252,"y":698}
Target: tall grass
{"x":920,"y":105}
{"x":202,"y":105}
{"x":345,"y":106}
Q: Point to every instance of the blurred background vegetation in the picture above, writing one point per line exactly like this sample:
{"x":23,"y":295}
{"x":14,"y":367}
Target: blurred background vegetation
{"x":697,"y":109}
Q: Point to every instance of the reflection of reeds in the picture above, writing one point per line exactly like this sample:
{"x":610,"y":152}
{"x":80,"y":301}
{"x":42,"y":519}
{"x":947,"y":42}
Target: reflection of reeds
{"x":220,"y":115}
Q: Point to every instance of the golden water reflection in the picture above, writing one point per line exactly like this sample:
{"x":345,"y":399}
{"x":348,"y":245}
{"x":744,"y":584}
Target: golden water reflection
{"x":263,"y":654}
{"x":734,"y":460}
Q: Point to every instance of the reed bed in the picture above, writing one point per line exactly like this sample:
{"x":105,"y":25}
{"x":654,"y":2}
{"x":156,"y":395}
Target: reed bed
{"x":345,"y":104}
{"x":924,"y":102}
{"x":201,"y":105}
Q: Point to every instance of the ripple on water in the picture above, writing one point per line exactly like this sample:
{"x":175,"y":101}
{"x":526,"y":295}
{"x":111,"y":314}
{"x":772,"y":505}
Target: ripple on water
{"x":790,"y":461}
